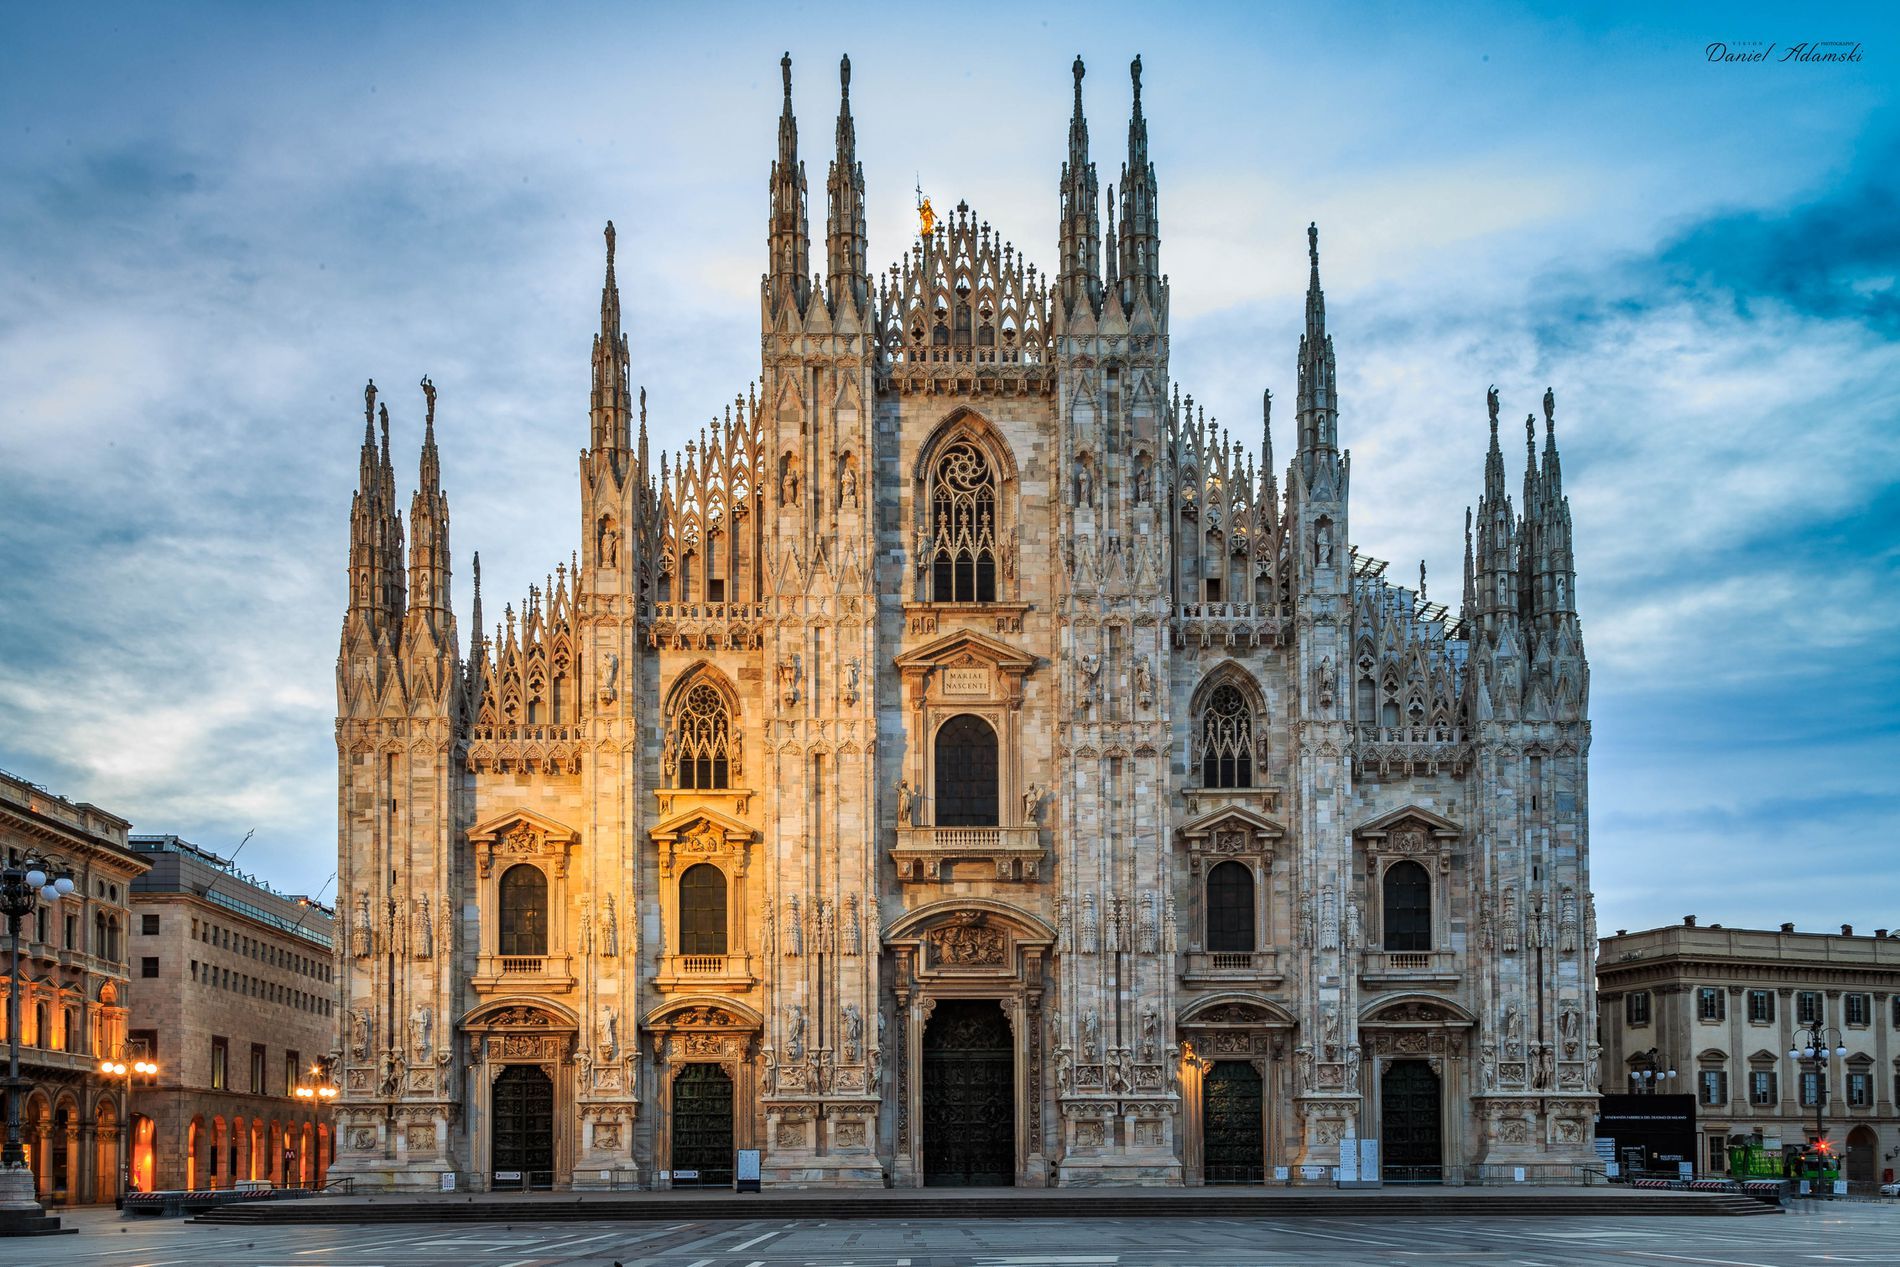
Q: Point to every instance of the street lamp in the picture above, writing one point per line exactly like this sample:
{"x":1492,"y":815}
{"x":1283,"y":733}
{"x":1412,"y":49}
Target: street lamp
{"x":1811,"y":1046}
{"x":1651,"y":1080}
{"x":23,"y":886}
{"x":319,"y":1090}
{"x":131,"y":1059}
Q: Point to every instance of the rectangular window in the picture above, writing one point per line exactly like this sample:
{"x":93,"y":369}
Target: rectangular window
{"x":1860,"y":1090}
{"x":1761,"y":1006}
{"x":1807,"y":1007}
{"x":1762,"y":1092}
{"x":148,"y":966}
{"x":1810,"y":1088}
{"x":293,"y":1065}
{"x":257,"y":1069}
{"x":1860,"y":1008}
{"x":72,"y":931}
{"x":1636,"y":1008}
{"x":1710,"y":1003}
{"x":1713,"y":1085}
{"x":1718,"y":1154}
{"x":220,"y":1064}
{"x":148,"y":925}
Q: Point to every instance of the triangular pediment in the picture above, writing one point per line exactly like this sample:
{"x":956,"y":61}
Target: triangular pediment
{"x":1231,"y":816}
{"x":682,"y":824}
{"x":503,"y":824}
{"x":1433,"y":824}
{"x":967,"y":646}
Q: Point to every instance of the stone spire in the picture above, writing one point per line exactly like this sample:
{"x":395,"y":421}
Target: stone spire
{"x":1139,"y":244}
{"x":369,"y":588}
{"x":1079,"y":278}
{"x":1495,"y":576}
{"x":789,"y":279}
{"x":1557,"y":563}
{"x":610,"y":407}
{"x":429,"y":537}
{"x":1319,"y":401}
{"x":395,"y":599}
{"x":847,"y":273}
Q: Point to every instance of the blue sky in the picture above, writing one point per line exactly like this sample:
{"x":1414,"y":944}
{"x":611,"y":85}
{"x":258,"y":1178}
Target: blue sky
{"x":217,"y":220}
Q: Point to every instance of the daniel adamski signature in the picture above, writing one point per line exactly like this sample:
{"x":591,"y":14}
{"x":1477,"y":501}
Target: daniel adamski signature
{"x":1808,"y":51}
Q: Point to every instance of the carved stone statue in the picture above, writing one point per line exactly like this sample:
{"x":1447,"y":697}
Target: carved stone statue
{"x":906,"y":803}
{"x":609,"y":929}
{"x":1091,"y":671}
{"x":360,"y":945}
{"x":795,"y":1033}
{"x":607,"y":1034}
{"x":1323,"y":544}
{"x":610,"y":684}
{"x":853,"y":1033}
{"x":1488,"y":1065}
{"x":1150,"y":1033}
{"x":425,"y":930}
{"x":1144,"y":681}
{"x":359,"y":1034}
{"x":1032,"y":800}
{"x":419,"y":1022}
{"x":1091,"y":1035}
{"x":1084,"y":483}
{"x":790,"y":671}
{"x":1328,"y":679}
{"x":850,"y":483}
{"x":853,"y":669}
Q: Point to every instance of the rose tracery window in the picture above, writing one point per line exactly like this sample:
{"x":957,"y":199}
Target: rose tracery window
{"x":703,"y":753}
{"x":1225,"y":739}
{"x":962,"y":526}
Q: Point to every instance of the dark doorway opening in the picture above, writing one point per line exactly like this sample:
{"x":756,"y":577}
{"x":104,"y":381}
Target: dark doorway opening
{"x":702,"y":1127}
{"x":1231,"y":1126}
{"x":524,"y":1127}
{"x":1409,"y":1120}
{"x":969,"y":1094}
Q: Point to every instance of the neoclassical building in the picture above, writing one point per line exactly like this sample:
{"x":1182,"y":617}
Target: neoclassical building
{"x":962,"y":763}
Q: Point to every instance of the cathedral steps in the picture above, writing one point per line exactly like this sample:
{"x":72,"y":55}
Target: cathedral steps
{"x":1045,"y":1203}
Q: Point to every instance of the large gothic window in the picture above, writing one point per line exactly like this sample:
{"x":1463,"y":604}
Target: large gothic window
{"x":524,"y":911}
{"x":702,"y":743}
{"x":1408,"y":907}
{"x":1230,"y":907}
{"x":962,"y":526}
{"x":1225,"y":739}
{"x":966,"y":773}
{"x":703,"y":910}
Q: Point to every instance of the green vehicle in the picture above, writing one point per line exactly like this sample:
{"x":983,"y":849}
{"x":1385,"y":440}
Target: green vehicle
{"x":1749,"y":1159}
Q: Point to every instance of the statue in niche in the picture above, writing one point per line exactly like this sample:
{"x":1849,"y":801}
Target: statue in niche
{"x":1084,"y":483}
{"x":610,"y":684}
{"x":359,"y":1034}
{"x":1144,"y":680}
{"x":853,"y":669}
{"x":1091,"y":671}
{"x":906,"y":803}
{"x":1488,"y":1065}
{"x":607,"y":543}
{"x":1150,"y":1033}
{"x":1065,"y":1070}
{"x":789,"y":672}
{"x":1352,"y":1068}
{"x":419,"y":1021}
{"x":1328,"y":679}
{"x":1323,"y":543}
{"x":1513,"y":1029}
{"x":1091,"y":1035}
{"x":607,"y":1033}
{"x":1032,"y":800}
{"x":788,"y":481}
{"x":1144,"y":477}
{"x":853,"y":1033}
{"x":848,"y":483}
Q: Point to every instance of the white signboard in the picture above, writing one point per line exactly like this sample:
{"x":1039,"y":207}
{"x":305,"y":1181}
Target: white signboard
{"x":748,"y":1169}
{"x":448,"y":1181}
{"x":1369,"y":1160}
{"x":1348,"y":1160}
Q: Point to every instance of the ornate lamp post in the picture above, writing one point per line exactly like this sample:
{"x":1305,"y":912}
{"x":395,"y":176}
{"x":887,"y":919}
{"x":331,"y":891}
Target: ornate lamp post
{"x":1653,"y":1080}
{"x":1811,"y":1053}
{"x":318,"y":1090}
{"x":130,"y":1060}
{"x":22,"y":887}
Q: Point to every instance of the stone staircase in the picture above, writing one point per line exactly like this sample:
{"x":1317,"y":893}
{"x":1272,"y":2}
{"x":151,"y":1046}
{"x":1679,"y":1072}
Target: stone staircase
{"x":1046,"y":1203}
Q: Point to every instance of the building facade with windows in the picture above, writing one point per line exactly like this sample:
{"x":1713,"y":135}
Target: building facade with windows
{"x":963,"y":763}
{"x":233,"y":995}
{"x":73,"y":997}
{"x":1723,"y":1007}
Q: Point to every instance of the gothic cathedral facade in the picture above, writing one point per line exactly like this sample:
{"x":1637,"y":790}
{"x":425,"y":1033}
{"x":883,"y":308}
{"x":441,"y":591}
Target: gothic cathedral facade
{"x":963,"y":763}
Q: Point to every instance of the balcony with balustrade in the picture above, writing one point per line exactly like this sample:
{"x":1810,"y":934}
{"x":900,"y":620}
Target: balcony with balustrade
{"x":1401,"y":751}
{"x":516,"y":974}
{"x":690,"y":974}
{"x":1408,"y":967}
{"x":927,"y":855}
{"x":1231,"y":968}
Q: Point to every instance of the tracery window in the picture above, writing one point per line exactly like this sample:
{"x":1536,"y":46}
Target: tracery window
{"x":1230,"y":924}
{"x":524,"y":911}
{"x":1225,"y":739}
{"x":702,"y":745}
{"x":962,"y":526}
{"x":1408,"y":907}
{"x":703,"y":910}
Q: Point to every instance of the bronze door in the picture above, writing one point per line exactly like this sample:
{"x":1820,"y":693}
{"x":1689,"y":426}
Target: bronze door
{"x":702,"y":1127}
{"x":1235,"y":1143}
{"x":1409,"y":1118}
{"x":969,"y":1096}
{"x":524,"y":1127}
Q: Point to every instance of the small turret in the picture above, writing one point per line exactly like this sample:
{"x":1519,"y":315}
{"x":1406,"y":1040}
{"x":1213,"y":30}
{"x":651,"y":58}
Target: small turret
{"x":1139,"y":243}
{"x":1319,"y":400}
{"x":610,"y":405}
{"x":1079,"y":277}
{"x":788,"y":282}
{"x":848,"y":275}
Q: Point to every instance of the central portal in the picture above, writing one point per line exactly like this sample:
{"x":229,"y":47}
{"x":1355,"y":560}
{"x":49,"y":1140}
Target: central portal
{"x":969,"y":1100}
{"x":523,"y":1137}
{"x":702,"y":1127}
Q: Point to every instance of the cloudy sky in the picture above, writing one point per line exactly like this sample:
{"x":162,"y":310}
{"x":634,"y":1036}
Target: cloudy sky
{"x":217,"y":220}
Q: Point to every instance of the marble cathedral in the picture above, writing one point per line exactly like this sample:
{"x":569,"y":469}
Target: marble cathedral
{"x":963,"y":763}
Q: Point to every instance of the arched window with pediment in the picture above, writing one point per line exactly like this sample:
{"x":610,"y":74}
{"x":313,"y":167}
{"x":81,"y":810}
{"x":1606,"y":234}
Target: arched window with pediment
{"x":1224,"y":737}
{"x":702,"y":745}
{"x":963,"y":525}
{"x":524,"y":910}
{"x":967,"y":774}
{"x":1230,"y":907}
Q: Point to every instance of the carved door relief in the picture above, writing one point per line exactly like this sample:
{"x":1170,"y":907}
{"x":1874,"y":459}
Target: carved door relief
{"x":1233,"y":1128}
{"x":969,"y":1094}
{"x":702,"y":1126}
{"x":522,"y":1142}
{"x":1409,"y":1116}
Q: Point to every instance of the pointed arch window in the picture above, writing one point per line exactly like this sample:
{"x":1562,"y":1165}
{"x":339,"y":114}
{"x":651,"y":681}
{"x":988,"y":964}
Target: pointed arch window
{"x":963,"y":524}
{"x":704,"y":754}
{"x":524,"y":911}
{"x":1408,"y":907}
{"x":1225,"y":739}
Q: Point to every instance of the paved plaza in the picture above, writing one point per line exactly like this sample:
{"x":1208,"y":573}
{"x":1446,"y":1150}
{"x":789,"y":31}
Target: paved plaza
{"x":1856,"y":1233}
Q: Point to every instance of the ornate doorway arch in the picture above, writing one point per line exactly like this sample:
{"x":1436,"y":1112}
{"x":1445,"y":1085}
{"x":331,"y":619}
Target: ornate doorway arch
{"x":521,"y":1063}
{"x":692,"y":1038}
{"x":1220,"y":1036}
